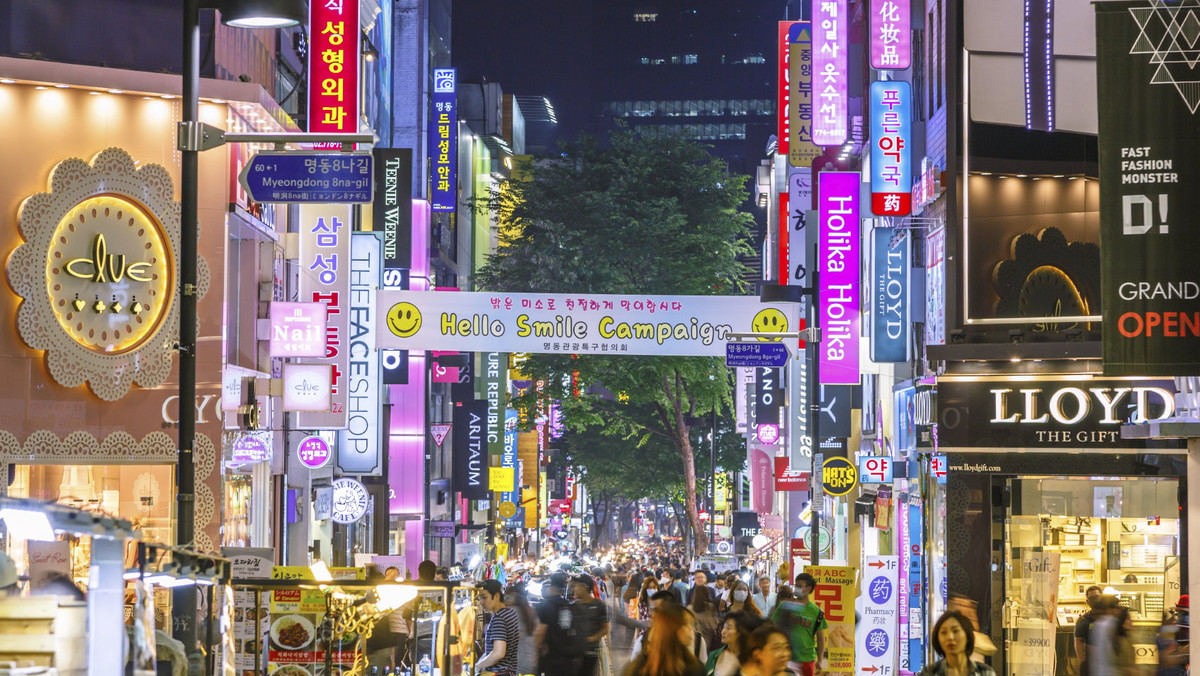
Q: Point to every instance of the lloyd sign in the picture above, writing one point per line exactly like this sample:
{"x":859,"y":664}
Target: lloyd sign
{"x":891,"y":328}
{"x":1048,"y":414}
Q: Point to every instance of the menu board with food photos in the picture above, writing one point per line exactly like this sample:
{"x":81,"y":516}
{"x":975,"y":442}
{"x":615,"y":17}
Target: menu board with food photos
{"x":294,"y":644}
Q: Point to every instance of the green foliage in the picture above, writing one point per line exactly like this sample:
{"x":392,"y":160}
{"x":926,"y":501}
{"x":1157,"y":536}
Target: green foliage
{"x":649,"y":214}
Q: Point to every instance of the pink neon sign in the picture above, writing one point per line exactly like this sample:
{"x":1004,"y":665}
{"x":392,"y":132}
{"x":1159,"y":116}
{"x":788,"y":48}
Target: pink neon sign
{"x":829,"y":78}
{"x":891,"y":31}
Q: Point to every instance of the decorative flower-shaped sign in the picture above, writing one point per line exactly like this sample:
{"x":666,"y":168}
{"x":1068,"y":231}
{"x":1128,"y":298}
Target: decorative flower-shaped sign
{"x":97,"y":274}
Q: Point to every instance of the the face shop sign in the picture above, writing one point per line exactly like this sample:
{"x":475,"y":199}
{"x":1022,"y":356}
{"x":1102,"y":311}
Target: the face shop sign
{"x":1049,"y":414}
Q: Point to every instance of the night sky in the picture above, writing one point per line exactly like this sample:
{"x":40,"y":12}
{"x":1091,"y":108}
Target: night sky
{"x":530,"y":47}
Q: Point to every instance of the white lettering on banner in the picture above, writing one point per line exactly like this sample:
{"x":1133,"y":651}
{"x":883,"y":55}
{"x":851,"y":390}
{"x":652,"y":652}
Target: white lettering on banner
{"x":359,"y":444}
{"x":1070,"y":405}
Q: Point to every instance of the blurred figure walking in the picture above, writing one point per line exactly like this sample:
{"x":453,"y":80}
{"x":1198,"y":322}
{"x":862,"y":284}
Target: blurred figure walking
{"x":954,"y":640}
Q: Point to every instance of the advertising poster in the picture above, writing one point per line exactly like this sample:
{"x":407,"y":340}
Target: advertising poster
{"x":1149,"y":158}
{"x":293,"y":646}
{"x":835,"y":593}
{"x":761,"y":470}
{"x":877,"y":637}
{"x":1037,"y":598}
{"x":250,"y":622}
{"x":576,"y":323}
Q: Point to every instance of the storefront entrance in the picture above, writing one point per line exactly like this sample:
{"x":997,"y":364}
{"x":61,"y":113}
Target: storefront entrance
{"x":1065,"y":534}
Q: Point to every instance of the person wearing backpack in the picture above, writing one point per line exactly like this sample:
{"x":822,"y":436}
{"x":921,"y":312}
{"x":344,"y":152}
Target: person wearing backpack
{"x":558,"y":650}
{"x":804,"y":623}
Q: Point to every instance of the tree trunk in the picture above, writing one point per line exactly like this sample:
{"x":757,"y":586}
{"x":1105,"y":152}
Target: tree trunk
{"x":600,"y":518}
{"x":690,"y":506}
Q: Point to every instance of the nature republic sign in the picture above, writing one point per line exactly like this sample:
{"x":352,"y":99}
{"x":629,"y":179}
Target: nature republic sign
{"x":574,"y":323}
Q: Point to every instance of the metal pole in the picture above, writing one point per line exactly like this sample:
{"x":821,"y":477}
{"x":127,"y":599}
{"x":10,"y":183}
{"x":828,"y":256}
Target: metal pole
{"x":712,"y":484}
{"x":814,"y":407}
{"x":183,"y":600}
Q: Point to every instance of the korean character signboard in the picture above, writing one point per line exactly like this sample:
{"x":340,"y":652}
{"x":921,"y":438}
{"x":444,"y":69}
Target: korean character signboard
{"x":891,"y":159}
{"x":835,"y":594}
{"x":830,"y":78}
{"x":443,"y":141}
{"x":875,"y":469}
{"x":800,"y":150}
{"x":876,"y":639}
{"x":334,"y":36}
{"x":891,"y":34}
{"x":838,"y":258}
{"x":325,"y":278}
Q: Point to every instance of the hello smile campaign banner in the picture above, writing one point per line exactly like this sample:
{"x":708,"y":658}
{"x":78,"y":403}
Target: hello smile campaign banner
{"x":574,"y":323}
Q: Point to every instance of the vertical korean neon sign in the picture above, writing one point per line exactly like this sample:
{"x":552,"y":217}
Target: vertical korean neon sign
{"x":334,"y":37}
{"x":891,"y":35}
{"x":829,"y":83}
{"x":891,"y":159}
{"x":443,"y":141}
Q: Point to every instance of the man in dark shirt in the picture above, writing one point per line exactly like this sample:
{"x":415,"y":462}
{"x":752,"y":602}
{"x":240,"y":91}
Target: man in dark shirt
{"x":558,"y":653}
{"x":503,"y":636}
{"x":594,"y":621}
{"x":1083,"y":628}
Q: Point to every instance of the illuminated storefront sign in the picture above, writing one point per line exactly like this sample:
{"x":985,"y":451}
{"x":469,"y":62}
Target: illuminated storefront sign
{"x":782,"y":116}
{"x":830,"y":77}
{"x":891,"y":158}
{"x":443,"y":141}
{"x":249,"y":448}
{"x":297,"y":330}
{"x":350,"y":500}
{"x":838,"y":257}
{"x":359,"y":449}
{"x":97,"y":274}
{"x":325,"y":278}
{"x":306,"y":387}
{"x":875,"y":469}
{"x":314,"y":452}
{"x":801,"y":150}
{"x":891,"y":328}
{"x":334,"y":36}
{"x":891,"y":28}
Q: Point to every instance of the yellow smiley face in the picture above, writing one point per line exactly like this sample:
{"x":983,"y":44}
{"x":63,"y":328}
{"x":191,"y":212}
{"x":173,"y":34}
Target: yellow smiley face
{"x":769,"y":320}
{"x":404,"y":320}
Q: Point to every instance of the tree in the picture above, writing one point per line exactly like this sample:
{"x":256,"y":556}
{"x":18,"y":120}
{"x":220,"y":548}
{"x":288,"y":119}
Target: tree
{"x":649,"y":214}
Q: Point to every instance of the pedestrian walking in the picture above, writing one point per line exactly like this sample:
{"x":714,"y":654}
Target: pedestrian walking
{"x":764,"y":598}
{"x":724,"y":660}
{"x":527,"y":657}
{"x":502,"y":638}
{"x":592,"y":625}
{"x":804,"y":623}
{"x":708,"y":620}
{"x":666,"y":652}
{"x":558,"y":651}
{"x":1172,"y":655}
{"x":785,"y":593}
{"x":1083,"y":628}
{"x":765,"y":651}
{"x":741,"y":602}
{"x":954,"y":640}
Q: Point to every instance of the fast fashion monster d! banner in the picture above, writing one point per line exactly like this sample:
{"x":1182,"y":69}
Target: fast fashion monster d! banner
{"x":574,"y":324}
{"x":1149,"y":94}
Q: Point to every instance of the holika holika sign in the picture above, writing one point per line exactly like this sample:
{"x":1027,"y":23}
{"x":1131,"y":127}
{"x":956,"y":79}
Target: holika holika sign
{"x":574,"y":324}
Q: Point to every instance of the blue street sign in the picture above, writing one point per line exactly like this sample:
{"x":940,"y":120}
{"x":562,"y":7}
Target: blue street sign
{"x":308,"y":177}
{"x":756,"y":354}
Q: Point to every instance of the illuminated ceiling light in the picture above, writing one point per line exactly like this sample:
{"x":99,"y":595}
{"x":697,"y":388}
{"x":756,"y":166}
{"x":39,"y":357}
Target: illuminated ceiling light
{"x":218,"y":101}
{"x":116,"y":91}
{"x":167,"y":96}
{"x":94,"y":93}
{"x":6,"y":81}
{"x":39,"y":87}
{"x":1022,"y":175}
{"x":985,"y":173}
{"x":1058,"y":176}
{"x":62,"y":86}
{"x":262,"y":13}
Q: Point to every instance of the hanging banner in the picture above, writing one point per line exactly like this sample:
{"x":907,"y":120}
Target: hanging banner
{"x":891,"y":29}
{"x":509,"y":458}
{"x":333,"y":43}
{"x":1149,"y":167}
{"x":768,"y":395}
{"x":830,"y":76}
{"x":392,"y":208}
{"x":325,"y":278}
{"x":574,"y":323}
{"x":800,"y":151}
{"x":492,"y":386}
{"x":916,"y":587}
{"x":443,"y":141}
{"x":470,"y":451}
{"x":782,"y":116}
{"x":877,"y":636}
{"x":835,"y":593}
{"x":891,"y":327}
{"x":359,"y":445}
{"x":800,"y":192}
{"x":838,"y":258}
{"x":761,"y":471}
{"x":891,"y":157}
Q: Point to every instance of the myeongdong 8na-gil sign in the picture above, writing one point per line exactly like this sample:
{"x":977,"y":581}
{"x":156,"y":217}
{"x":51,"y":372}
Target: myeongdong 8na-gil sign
{"x":574,"y":324}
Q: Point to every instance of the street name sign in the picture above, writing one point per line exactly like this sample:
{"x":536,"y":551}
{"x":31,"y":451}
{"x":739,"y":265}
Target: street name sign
{"x":756,"y":354}
{"x":309,"y":177}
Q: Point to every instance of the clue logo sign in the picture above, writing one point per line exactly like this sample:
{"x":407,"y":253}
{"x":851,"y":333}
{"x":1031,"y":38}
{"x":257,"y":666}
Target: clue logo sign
{"x":97,"y":274}
{"x":307,"y":387}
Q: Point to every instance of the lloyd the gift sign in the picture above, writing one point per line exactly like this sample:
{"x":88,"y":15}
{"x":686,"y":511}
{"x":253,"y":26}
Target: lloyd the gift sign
{"x":1049,"y":414}
{"x":891,"y":328}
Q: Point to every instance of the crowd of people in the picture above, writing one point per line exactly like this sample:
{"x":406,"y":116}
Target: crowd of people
{"x":1102,"y":638}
